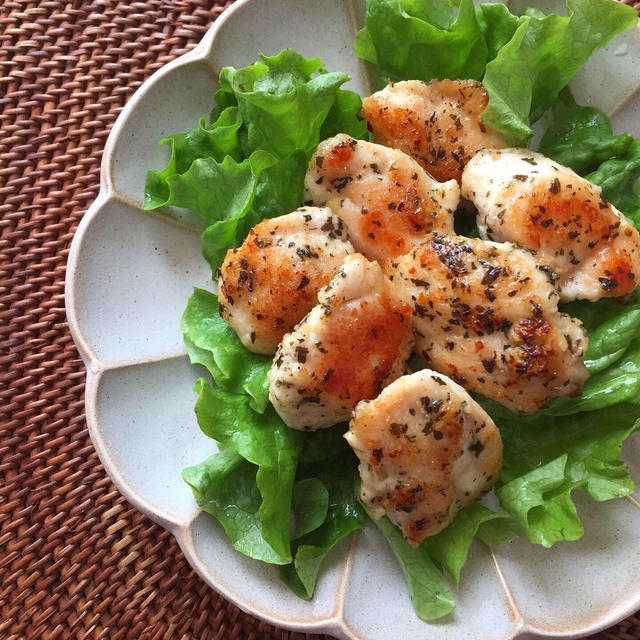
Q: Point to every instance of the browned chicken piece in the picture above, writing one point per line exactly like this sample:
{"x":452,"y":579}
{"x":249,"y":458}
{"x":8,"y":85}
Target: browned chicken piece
{"x":355,"y":341}
{"x":486,"y":314}
{"x":387,"y":201}
{"x":526,"y":198}
{"x":426,"y":450}
{"x":438,"y":123}
{"x":271,"y":282}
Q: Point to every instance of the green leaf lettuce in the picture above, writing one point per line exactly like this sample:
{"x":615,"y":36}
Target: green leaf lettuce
{"x":523,"y":61}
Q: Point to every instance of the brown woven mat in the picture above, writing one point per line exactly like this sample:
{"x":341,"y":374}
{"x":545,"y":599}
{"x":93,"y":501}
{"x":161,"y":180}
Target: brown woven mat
{"x":76,"y":561}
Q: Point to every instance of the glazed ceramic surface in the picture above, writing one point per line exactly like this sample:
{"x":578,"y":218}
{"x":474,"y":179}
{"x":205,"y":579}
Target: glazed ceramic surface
{"x":130,"y":274}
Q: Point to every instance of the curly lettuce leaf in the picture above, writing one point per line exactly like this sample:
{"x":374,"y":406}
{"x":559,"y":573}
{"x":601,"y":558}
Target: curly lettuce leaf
{"x":310,"y":504}
{"x":530,"y":70}
{"x":547,"y":457}
{"x":428,"y":588}
{"x":211,"y":342}
{"x":249,"y":163}
{"x":618,"y":382}
{"x":540,"y":501}
{"x":262,"y":439}
{"x":611,"y":325}
{"x":344,"y":515}
{"x":344,"y":117}
{"x":224,"y":486}
{"x":281,"y":103}
{"x":581,"y":137}
{"x":322,"y":445}
{"x":301,"y":575}
{"x":498,"y":25}
{"x":275,"y":190}
{"x":218,"y":191}
{"x":217,"y":141}
{"x":422,"y":40}
{"x":265,"y":441}
{"x":609,"y":342}
{"x":613,"y":357}
{"x":450,"y":547}
{"x":619,"y":178}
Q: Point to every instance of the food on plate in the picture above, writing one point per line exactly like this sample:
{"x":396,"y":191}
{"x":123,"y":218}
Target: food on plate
{"x":526,"y":198}
{"x":387,"y":201}
{"x":426,"y":450}
{"x":355,"y":341}
{"x":439,"y":123}
{"x":486,"y":314}
{"x":249,"y":162}
{"x":268,"y":285}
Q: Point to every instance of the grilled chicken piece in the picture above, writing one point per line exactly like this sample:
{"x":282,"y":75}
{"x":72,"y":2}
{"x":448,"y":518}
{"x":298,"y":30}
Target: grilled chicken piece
{"x":426,"y":450}
{"x":271,"y":282}
{"x":525,"y":198}
{"x":353,"y":343}
{"x":486,"y":315}
{"x":438,"y":123}
{"x":386,"y":200}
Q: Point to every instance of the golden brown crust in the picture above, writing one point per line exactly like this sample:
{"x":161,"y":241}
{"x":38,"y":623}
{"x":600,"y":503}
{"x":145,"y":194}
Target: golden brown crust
{"x":525,"y":198}
{"x":385,"y":198}
{"x":486,"y":315}
{"x":426,"y":449}
{"x":271,"y":282}
{"x":438,"y":123}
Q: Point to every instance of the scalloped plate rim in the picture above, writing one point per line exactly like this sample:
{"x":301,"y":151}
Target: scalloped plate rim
{"x":108,"y":193}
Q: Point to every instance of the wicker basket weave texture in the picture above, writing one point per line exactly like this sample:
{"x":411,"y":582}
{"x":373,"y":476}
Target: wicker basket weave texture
{"x":76,"y":561}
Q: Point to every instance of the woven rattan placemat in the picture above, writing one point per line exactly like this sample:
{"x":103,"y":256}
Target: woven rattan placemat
{"x":76,"y":561}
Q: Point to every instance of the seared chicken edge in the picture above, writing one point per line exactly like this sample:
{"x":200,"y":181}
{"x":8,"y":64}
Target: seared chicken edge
{"x":426,"y":450}
{"x":355,"y":341}
{"x":270,"y":283}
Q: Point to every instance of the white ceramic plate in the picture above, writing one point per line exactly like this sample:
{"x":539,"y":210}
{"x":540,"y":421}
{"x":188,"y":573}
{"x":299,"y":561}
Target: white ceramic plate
{"x":130,"y":274}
